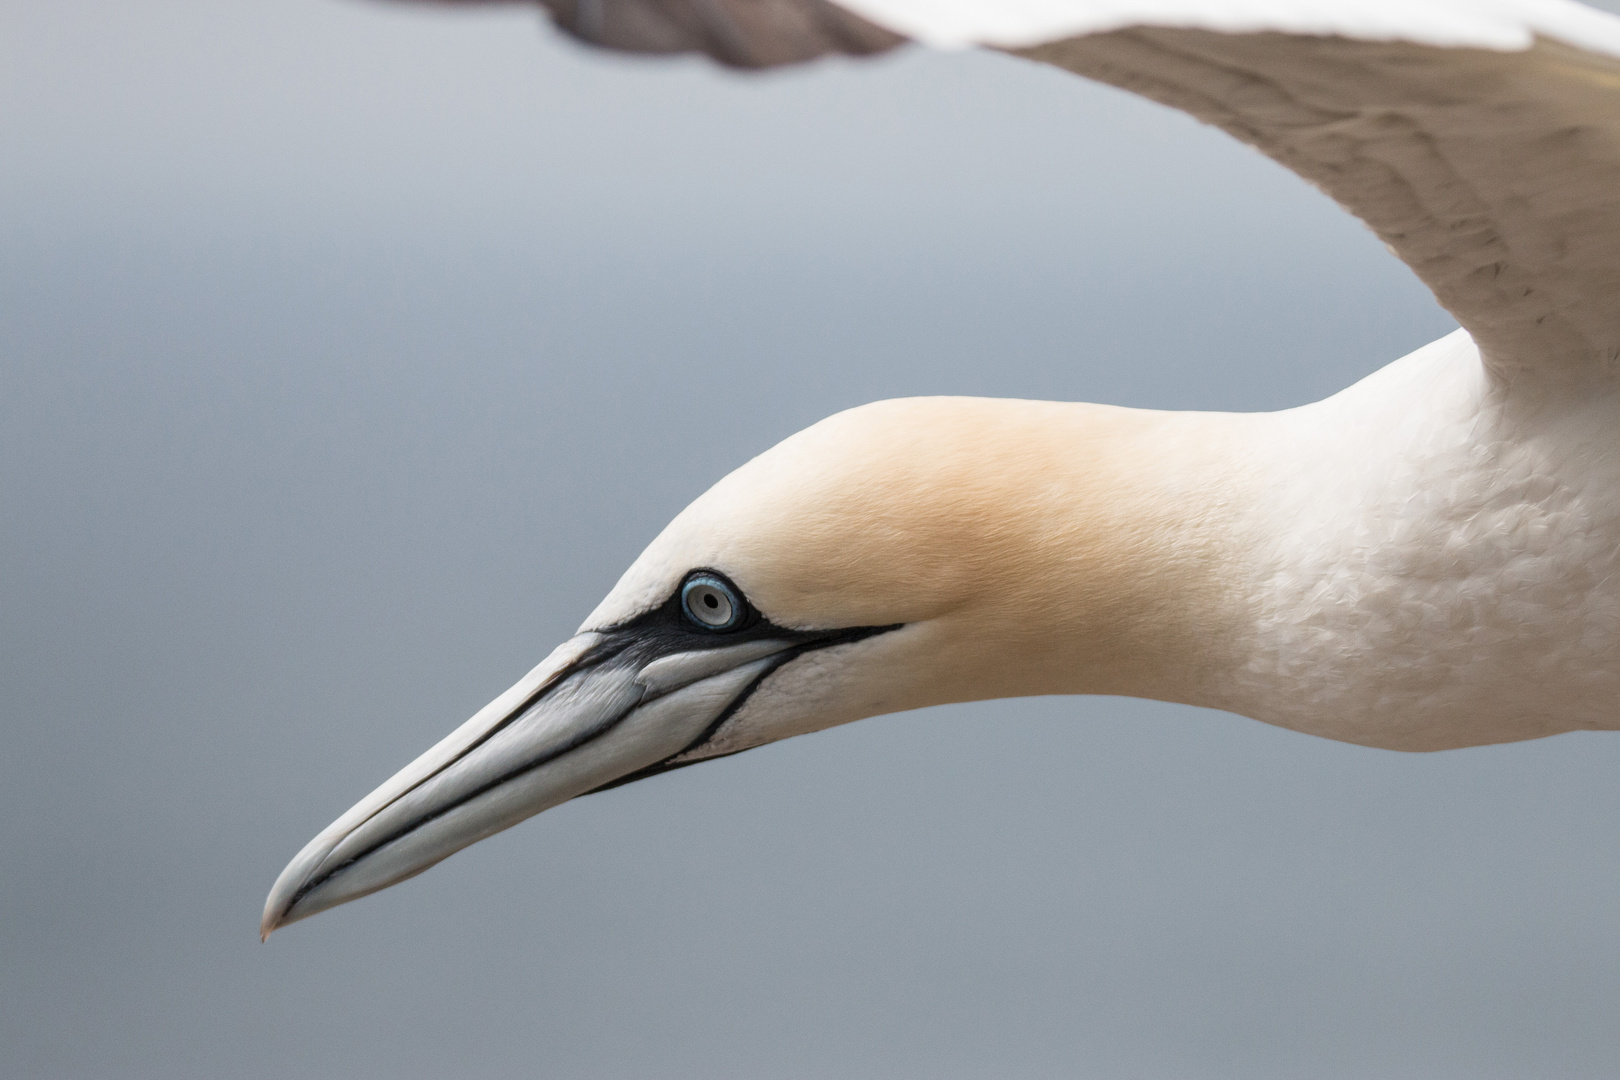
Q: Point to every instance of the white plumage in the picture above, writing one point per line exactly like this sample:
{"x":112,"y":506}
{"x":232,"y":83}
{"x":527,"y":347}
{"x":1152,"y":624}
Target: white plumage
{"x":1425,"y":560}
{"x":1483,"y":24}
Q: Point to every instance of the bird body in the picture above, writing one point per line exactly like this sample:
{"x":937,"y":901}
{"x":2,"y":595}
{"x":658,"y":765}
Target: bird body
{"x":1437,"y":562}
{"x":1426,"y":560}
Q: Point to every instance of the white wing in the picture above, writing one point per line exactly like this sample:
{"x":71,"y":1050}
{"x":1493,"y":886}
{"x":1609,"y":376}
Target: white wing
{"x":1480,"y":140}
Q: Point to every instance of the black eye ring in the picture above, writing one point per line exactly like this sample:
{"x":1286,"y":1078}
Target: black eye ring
{"x":711,"y":603}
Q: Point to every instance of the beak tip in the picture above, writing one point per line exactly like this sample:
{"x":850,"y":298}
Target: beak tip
{"x":277,"y":910}
{"x":285,"y":895}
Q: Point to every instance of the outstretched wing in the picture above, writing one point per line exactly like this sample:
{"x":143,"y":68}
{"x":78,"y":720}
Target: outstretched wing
{"x":1480,"y":140}
{"x":1494,"y":175}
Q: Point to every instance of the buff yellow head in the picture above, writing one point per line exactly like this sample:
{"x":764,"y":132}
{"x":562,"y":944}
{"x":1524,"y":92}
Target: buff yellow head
{"x":902,"y":554}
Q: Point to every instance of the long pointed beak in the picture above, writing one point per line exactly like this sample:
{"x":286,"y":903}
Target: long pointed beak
{"x":588,"y":715}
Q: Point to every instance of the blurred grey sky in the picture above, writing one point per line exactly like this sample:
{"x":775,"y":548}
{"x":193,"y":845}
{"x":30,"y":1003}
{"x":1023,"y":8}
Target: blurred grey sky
{"x":346,"y":356}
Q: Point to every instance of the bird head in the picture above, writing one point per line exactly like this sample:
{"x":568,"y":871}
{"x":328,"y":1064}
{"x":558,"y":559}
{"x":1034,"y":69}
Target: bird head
{"x":898,"y":555}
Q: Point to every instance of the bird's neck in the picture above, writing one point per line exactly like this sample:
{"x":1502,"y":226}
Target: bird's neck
{"x":1038,"y":547}
{"x":1220,"y":559}
{"x":1131,"y":565}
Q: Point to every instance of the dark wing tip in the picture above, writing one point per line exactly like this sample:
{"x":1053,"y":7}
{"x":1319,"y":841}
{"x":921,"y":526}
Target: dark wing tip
{"x":738,"y":33}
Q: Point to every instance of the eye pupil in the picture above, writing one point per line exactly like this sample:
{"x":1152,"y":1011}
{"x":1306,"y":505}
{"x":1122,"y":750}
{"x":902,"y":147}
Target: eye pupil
{"x":710,"y":601}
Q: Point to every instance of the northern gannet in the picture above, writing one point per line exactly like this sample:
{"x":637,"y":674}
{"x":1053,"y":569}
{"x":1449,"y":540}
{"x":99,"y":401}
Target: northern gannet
{"x":1425,"y":560}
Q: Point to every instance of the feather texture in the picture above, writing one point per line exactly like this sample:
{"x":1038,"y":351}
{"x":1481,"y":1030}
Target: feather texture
{"x":1494,"y":175}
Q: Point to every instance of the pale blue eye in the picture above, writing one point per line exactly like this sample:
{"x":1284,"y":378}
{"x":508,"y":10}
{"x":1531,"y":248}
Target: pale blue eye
{"x":710,"y":602}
